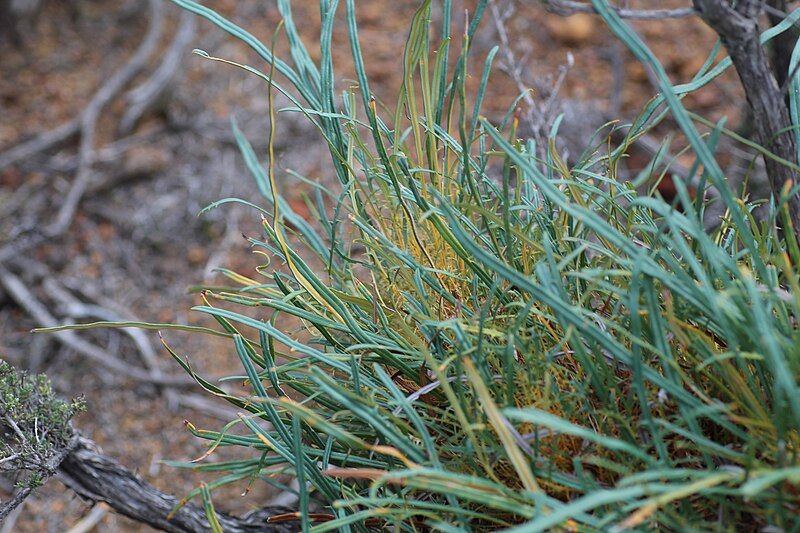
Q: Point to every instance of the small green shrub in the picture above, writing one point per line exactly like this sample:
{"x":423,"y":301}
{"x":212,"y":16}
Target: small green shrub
{"x":495,"y":340}
{"x":34,"y":426}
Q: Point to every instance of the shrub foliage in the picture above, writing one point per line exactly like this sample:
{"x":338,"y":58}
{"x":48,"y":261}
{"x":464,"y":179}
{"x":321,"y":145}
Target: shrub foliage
{"x":34,"y":427}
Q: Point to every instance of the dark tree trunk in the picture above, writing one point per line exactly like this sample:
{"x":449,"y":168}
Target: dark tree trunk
{"x":99,"y":478}
{"x":782,"y":46}
{"x":738,"y":30}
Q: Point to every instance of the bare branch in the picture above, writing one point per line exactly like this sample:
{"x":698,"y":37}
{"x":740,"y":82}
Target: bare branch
{"x":88,"y":522}
{"x":10,"y":521}
{"x":739,"y":32}
{"x":85,"y":124}
{"x":90,"y":115}
{"x":25,"y":299}
{"x":145,"y":96}
{"x":6,"y":508}
{"x":99,"y":478}
{"x":538,"y":115}
{"x":40,"y":143}
{"x":569,"y":7}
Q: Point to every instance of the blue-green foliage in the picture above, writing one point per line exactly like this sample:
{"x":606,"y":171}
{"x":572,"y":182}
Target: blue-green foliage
{"x":492,"y":340}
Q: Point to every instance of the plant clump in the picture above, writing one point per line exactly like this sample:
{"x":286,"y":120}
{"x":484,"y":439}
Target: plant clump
{"x":492,"y":337}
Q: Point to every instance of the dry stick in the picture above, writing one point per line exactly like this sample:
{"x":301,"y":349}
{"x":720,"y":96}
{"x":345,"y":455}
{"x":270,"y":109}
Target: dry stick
{"x":88,"y":522}
{"x":145,"y":96}
{"x":74,"y":308}
{"x":782,"y":45}
{"x":85,"y":124}
{"x":29,"y":190}
{"x":8,"y":507}
{"x":202,"y":404}
{"x":46,"y":467}
{"x":99,"y":478}
{"x":19,"y":196}
{"x":569,"y":7}
{"x":738,"y":29}
{"x":40,"y":143}
{"x":27,"y":301}
{"x":77,"y":309}
{"x":92,"y":113}
{"x":108,"y":310}
{"x":513,"y":69}
{"x":537,"y":117}
{"x":48,"y":139}
{"x":108,"y":153}
{"x":780,"y":14}
{"x":207,"y":406}
{"x":10,"y":521}
{"x":20,"y":245}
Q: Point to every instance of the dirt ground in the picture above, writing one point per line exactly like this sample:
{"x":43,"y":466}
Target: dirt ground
{"x":136,"y":243}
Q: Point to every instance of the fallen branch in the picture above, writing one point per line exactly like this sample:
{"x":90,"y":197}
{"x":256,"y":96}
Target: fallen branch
{"x":31,"y":304}
{"x":85,"y":124}
{"x":90,"y":115}
{"x":738,"y":30}
{"x":37,"y":442}
{"x":10,"y":506}
{"x":10,"y":521}
{"x":110,"y":152}
{"x":40,"y":143}
{"x":148,"y":94}
{"x":569,"y":7}
{"x":34,"y":433}
{"x":88,"y":522}
{"x":74,"y":308}
{"x":539,"y":114}
{"x":99,"y":478}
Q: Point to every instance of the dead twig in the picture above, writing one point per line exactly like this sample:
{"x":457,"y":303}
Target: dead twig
{"x":569,"y":7}
{"x":40,"y":143}
{"x":207,"y":406}
{"x":8,"y":507}
{"x":107,"y":310}
{"x":31,"y":304}
{"x":74,"y":308}
{"x":90,"y":115}
{"x":96,"y":477}
{"x":538,"y":115}
{"x":11,"y":518}
{"x":19,"y":196}
{"x":110,"y":152}
{"x":85,"y":124}
{"x":45,"y":466}
{"x":148,"y":94}
{"x":88,"y":522}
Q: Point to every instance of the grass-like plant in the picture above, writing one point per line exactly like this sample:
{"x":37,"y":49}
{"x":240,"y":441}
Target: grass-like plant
{"x":495,"y":340}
